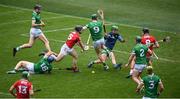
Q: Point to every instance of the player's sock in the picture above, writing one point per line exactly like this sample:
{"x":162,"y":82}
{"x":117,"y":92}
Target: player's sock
{"x":18,"y":48}
{"x":106,"y":67}
{"x":116,"y":66}
{"x":106,"y":50}
{"x":91,"y":64}
{"x":11,"y":72}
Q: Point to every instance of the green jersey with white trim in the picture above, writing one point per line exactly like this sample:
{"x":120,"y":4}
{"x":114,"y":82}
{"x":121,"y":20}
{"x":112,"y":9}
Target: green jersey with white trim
{"x":151,"y":83}
{"x":140,"y":52}
{"x":42,"y":66}
{"x":95,"y":29}
{"x":37,"y":18}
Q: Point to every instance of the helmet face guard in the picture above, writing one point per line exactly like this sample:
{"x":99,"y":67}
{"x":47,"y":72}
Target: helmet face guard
{"x":37,"y":8}
{"x":94,"y":16}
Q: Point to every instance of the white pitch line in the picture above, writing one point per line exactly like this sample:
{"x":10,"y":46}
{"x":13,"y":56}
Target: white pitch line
{"x":9,"y":12}
{"x":123,"y":52}
{"x":23,"y":21}
{"x":84,"y":18}
{"x":3,"y":93}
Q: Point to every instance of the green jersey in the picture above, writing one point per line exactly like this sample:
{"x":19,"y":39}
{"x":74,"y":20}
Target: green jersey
{"x":140,"y":52}
{"x":95,"y":29}
{"x":42,"y":66}
{"x":151,"y":83}
{"x":37,"y":18}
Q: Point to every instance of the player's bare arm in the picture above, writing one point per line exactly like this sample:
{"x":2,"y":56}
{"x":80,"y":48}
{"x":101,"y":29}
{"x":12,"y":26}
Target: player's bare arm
{"x":156,"y":45}
{"x":130,"y":59}
{"x":11,"y":91}
{"x":139,"y":86}
{"x":34,"y":24}
{"x":31,"y":92}
{"x":161,"y":87}
{"x":81,"y":45}
{"x":149,"y":51}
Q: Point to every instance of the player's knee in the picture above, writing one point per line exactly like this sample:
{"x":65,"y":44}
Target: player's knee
{"x":22,"y":62}
{"x":29,"y":45}
{"x":46,"y":42}
{"x":76,"y":57}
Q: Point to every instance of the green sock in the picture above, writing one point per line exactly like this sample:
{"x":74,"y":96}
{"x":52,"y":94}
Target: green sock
{"x":104,"y":64}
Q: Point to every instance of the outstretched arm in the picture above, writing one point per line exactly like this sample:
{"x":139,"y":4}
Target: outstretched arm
{"x":81,"y":45}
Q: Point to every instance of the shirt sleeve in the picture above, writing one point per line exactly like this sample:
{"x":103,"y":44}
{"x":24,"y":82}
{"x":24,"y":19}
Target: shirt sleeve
{"x":33,"y":16}
{"x":120,"y":38}
{"x":87,"y":25}
{"x":133,"y":51}
{"x":15,"y":84}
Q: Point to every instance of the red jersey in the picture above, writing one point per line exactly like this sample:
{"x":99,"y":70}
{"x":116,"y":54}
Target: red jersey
{"x":148,"y":40}
{"x":22,"y":88}
{"x":72,"y":39}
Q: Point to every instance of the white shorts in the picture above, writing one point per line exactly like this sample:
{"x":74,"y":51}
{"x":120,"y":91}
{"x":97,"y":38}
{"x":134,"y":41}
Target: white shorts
{"x":65,"y":49}
{"x":148,"y":98}
{"x":98,"y":43}
{"x":139,"y":67}
{"x":34,"y":32}
{"x":30,"y":67}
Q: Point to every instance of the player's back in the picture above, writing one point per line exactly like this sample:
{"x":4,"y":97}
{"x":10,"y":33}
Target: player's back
{"x":22,"y":88}
{"x":42,"y":66}
{"x":148,"y":40}
{"x":73,"y":38}
{"x":95,"y":29}
{"x":140,"y":51}
{"x":151,"y":83}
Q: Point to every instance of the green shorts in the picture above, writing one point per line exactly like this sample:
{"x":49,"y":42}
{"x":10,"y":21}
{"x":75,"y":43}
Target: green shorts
{"x":106,"y":52}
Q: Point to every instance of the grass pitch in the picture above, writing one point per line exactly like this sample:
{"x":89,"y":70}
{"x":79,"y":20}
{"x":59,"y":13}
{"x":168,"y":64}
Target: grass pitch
{"x":15,"y":20}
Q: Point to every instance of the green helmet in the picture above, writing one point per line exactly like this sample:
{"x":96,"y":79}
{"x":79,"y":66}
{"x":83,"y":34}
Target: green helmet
{"x":25,"y":74}
{"x":138,"y":39}
{"x":114,"y":27}
{"x":94,"y":16}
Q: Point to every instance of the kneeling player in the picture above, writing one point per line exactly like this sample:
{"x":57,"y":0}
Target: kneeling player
{"x":110,"y":42}
{"x":67,"y":48}
{"x":43,"y":66}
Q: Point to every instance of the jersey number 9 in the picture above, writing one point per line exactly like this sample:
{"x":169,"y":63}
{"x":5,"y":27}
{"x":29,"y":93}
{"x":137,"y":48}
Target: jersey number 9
{"x":96,"y":29}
